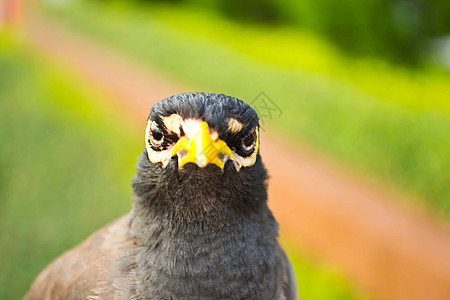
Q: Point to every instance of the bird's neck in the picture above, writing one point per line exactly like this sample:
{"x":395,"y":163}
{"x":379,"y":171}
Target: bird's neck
{"x":153,"y":225}
{"x":203,"y":234}
{"x":218,"y":253}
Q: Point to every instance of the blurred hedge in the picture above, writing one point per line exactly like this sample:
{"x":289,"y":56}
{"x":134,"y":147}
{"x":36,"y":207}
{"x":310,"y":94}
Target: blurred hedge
{"x":399,"y":30}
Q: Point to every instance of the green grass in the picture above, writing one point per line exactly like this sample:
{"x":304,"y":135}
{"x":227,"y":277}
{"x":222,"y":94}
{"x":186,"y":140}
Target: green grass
{"x":385,"y":120}
{"x":318,"y":280}
{"x":65,"y":166}
{"x":66,"y":159}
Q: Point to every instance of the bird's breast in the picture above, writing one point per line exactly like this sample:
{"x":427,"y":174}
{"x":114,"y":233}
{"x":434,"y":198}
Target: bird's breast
{"x":230,"y":265}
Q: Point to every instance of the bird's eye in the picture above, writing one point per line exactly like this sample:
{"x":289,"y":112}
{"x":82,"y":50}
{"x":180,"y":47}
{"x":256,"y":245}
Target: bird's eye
{"x":156,"y":137}
{"x":249,"y":141}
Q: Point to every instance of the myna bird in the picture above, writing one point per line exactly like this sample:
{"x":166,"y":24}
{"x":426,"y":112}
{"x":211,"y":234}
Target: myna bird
{"x":200,"y":227}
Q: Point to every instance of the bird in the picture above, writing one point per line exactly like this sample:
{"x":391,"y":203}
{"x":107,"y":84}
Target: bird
{"x":200,"y":226}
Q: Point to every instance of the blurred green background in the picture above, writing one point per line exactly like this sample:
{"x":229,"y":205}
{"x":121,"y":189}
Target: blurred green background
{"x":387,"y":119}
{"x":366,"y":83}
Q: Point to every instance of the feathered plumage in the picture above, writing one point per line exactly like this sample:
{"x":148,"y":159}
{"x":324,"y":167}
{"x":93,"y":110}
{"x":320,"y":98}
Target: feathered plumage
{"x":194,"y":232}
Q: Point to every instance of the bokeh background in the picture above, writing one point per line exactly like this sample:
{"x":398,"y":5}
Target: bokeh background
{"x":364,"y":83}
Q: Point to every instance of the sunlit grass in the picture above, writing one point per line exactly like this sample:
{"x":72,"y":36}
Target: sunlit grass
{"x":389,"y":121}
{"x":66,"y":158}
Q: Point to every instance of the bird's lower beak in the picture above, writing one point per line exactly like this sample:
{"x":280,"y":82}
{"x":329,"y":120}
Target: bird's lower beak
{"x":200,"y":148}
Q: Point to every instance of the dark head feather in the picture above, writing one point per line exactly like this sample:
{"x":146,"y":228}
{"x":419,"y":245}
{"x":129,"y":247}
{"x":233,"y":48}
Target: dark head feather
{"x":214,"y":109}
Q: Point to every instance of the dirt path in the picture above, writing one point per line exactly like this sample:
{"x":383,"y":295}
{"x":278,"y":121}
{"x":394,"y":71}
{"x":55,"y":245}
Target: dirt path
{"x":390,"y":250}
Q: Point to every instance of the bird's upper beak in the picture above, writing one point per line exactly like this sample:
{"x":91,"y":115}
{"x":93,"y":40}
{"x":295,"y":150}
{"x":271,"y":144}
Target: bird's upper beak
{"x":201,"y":146}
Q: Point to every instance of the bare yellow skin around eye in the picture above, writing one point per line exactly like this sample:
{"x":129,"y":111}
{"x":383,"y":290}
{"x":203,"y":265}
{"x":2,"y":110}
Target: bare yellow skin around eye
{"x":240,"y":161}
{"x":172,"y":123}
{"x":155,"y":156}
{"x":235,"y":126}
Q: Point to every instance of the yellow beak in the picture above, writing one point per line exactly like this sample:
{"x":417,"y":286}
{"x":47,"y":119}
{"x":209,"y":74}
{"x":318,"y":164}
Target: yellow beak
{"x":201,"y":149}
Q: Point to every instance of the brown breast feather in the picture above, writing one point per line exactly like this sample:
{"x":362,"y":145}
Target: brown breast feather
{"x":100,"y":268}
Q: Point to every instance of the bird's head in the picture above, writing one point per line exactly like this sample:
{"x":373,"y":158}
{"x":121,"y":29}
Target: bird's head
{"x":201,"y":161}
{"x":203,"y":130}
{"x":201,"y":142}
